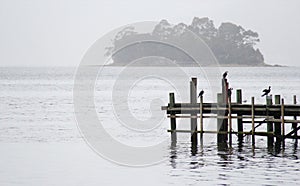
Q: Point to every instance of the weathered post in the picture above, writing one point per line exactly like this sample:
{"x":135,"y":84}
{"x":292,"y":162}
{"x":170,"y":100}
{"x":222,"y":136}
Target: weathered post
{"x":277,"y":124}
{"x":225,"y":90}
{"x":252,"y":120}
{"x":282,"y":122}
{"x":201,"y":117}
{"x":193,"y":100}
{"x":221,"y":138}
{"x":172,"y":118}
{"x":295,"y":125}
{"x":269,"y":123}
{"x":230,"y":119}
{"x":239,"y":120}
{"x":225,"y":87}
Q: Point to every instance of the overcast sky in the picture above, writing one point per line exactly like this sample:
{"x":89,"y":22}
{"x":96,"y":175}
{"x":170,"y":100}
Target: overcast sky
{"x":58,"y":32}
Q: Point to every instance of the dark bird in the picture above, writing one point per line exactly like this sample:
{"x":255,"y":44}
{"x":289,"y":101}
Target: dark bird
{"x":225,"y":75}
{"x":229,"y":93}
{"x":201,"y":93}
{"x":266,"y":91}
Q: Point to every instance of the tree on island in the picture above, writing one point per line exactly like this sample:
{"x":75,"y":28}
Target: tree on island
{"x":230,"y":43}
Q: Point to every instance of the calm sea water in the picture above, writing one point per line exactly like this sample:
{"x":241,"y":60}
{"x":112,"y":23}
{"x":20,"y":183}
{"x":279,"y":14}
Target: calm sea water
{"x":41,"y":144}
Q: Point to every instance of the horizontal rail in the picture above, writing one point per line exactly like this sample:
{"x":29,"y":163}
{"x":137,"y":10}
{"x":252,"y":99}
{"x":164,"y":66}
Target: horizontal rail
{"x":285,"y":121}
{"x":222,"y":132}
{"x":217,"y":117}
{"x":257,"y":133}
{"x":244,"y":109}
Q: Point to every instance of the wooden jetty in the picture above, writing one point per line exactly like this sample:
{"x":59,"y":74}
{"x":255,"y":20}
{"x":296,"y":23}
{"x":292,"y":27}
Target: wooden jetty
{"x":275,"y":115}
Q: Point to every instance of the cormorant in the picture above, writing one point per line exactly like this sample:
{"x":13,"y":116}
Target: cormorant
{"x":201,"y":93}
{"x":266,"y":91}
{"x":225,"y":75}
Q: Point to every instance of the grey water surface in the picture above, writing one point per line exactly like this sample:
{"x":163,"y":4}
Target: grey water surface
{"x":40,"y":143}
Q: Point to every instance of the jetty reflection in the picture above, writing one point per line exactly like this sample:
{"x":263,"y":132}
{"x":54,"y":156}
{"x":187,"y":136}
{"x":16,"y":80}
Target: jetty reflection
{"x":239,"y":151}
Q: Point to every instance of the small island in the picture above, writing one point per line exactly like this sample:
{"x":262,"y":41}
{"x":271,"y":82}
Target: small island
{"x":231,"y":44}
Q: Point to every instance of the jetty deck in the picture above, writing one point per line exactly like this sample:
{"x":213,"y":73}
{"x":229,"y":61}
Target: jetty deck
{"x":275,"y":115}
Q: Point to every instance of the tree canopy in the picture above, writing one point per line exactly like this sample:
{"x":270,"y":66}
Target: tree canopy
{"x":230,"y":43}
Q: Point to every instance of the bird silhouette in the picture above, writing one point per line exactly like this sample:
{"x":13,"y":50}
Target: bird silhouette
{"x":266,"y":91}
{"x":201,"y":93}
{"x":225,"y":75}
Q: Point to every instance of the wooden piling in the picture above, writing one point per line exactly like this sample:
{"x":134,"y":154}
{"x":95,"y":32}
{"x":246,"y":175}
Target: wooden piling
{"x":277,"y":127}
{"x":230,"y":119}
{"x":282,"y":122}
{"x":269,"y":123}
{"x":253,"y":120}
{"x":193,"y":100}
{"x":221,"y":138}
{"x":225,"y":87}
{"x":201,"y":117}
{"x":239,"y":120}
{"x":226,"y":111}
{"x":173,"y":119}
{"x":295,"y":125}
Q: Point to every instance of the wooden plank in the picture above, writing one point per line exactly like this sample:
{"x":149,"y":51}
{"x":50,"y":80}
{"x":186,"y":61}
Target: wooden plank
{"x":292,"y":132}
{"x":236,"y":109}
{"x":285,"y":120}
{"x":257,"y":133}
{"x":223,"y":132}
{"x":220,"y":117}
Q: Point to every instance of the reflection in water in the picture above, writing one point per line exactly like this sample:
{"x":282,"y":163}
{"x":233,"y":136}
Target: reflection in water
{"x":240,"y":145}
{"x":223,"y":151}
{"x":194,"y":149}
{"x":173,"y":155}
{"x":222,"y":164}
{"x":277,"y":149}
{"x":295,"y":149}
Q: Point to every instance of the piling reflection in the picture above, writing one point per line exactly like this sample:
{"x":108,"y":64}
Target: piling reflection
{"x":194,"y":149}
{"x":225,"y":156}
{"x":295,"y":149}
{"x":277,"y":148}
{"x":240,"y":145}
{"x":173,"y":154}
{"x":224,"y":152}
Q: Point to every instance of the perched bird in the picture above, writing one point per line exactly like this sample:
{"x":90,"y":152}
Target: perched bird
{"x":225,"y":75}
{"x":201,"y":93}
{"x":229,"y":92}
{"x":266,"y":91}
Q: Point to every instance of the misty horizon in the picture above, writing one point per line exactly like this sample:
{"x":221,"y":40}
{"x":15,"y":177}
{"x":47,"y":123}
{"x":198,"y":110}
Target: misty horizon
{"x":58,"y":34}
